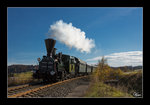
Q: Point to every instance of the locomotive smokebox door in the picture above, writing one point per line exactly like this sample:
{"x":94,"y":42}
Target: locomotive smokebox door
{"x":50,"y":43}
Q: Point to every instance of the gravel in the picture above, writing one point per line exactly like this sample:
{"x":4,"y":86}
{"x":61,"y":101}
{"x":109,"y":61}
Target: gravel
{"x":59,"y":90}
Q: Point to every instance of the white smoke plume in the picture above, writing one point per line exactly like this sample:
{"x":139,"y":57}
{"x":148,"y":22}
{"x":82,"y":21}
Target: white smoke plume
{"x":71,"y":36}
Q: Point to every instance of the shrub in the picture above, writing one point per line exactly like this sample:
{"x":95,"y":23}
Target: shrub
{"x":105,"y":72}
{"x":132,"y":81}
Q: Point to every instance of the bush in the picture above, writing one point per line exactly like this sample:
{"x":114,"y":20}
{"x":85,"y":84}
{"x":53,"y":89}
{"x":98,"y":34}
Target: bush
{"x":105,"y":72}
{"x":132,"y":81}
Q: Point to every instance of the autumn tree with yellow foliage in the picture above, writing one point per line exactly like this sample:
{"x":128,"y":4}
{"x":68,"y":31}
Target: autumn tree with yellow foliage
{"x":104,"y":72}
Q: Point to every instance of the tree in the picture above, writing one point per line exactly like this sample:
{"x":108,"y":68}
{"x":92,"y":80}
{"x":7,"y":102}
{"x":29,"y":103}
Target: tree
{"x":105,"y":72}
{"x":102,"y":63}
{"x":102,"y":70}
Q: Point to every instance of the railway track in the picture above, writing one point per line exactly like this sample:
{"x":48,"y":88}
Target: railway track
{"x":15,"y":89}
{"x":34,"y":91}
{"x":22,"y":88}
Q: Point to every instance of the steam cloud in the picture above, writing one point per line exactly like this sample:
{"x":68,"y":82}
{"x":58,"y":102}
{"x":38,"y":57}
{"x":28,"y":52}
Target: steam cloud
{"x":71,"y":36}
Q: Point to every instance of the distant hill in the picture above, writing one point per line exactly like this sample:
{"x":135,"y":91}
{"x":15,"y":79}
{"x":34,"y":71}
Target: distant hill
{"x":126,"y":68}
{"x":21,"y":68}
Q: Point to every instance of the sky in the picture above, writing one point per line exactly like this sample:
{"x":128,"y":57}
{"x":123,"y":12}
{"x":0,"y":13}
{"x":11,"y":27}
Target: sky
{"x":87,"y":33}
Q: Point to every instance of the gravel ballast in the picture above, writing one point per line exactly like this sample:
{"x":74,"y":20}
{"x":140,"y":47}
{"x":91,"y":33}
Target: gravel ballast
{"x":61,"y":90}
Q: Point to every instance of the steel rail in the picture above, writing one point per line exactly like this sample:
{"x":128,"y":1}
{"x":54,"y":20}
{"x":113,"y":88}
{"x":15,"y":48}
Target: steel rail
{"x":18,"y":87}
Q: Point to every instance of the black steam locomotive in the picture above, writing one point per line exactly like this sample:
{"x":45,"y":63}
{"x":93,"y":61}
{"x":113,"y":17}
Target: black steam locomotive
{"x":55,"y":67}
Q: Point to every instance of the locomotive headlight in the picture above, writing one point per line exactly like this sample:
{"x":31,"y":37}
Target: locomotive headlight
{"x":52,"y":72}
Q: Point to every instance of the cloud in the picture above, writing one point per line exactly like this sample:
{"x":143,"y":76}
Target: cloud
{"x":71,"y":36}
{"x":133,"y":58}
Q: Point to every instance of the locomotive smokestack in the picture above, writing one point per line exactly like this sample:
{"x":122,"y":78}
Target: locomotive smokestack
{"x":50,"y":43}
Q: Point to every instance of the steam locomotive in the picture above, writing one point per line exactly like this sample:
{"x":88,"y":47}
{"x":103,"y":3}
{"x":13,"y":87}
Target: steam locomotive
{"x":55,"y":67}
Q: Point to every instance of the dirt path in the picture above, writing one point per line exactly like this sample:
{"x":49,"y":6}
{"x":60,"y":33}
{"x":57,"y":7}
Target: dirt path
{"x":80,"y":90}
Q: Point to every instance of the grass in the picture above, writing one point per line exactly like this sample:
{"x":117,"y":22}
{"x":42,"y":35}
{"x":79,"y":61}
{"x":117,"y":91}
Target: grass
{"x":133,"y":81}
{"x":20,"y":78}
{"x":99,"y":89}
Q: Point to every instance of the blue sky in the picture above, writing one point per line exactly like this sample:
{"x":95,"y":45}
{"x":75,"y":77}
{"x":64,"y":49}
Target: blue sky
{"x":114,"y":30}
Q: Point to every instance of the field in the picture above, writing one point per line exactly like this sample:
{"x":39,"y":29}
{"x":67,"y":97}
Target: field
{"x":20,"y":78}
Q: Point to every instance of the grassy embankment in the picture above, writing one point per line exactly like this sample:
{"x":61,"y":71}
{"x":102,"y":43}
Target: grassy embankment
{"x":127,"y":82}
{"x":132,"y":81}
{"x":20,"y":78}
